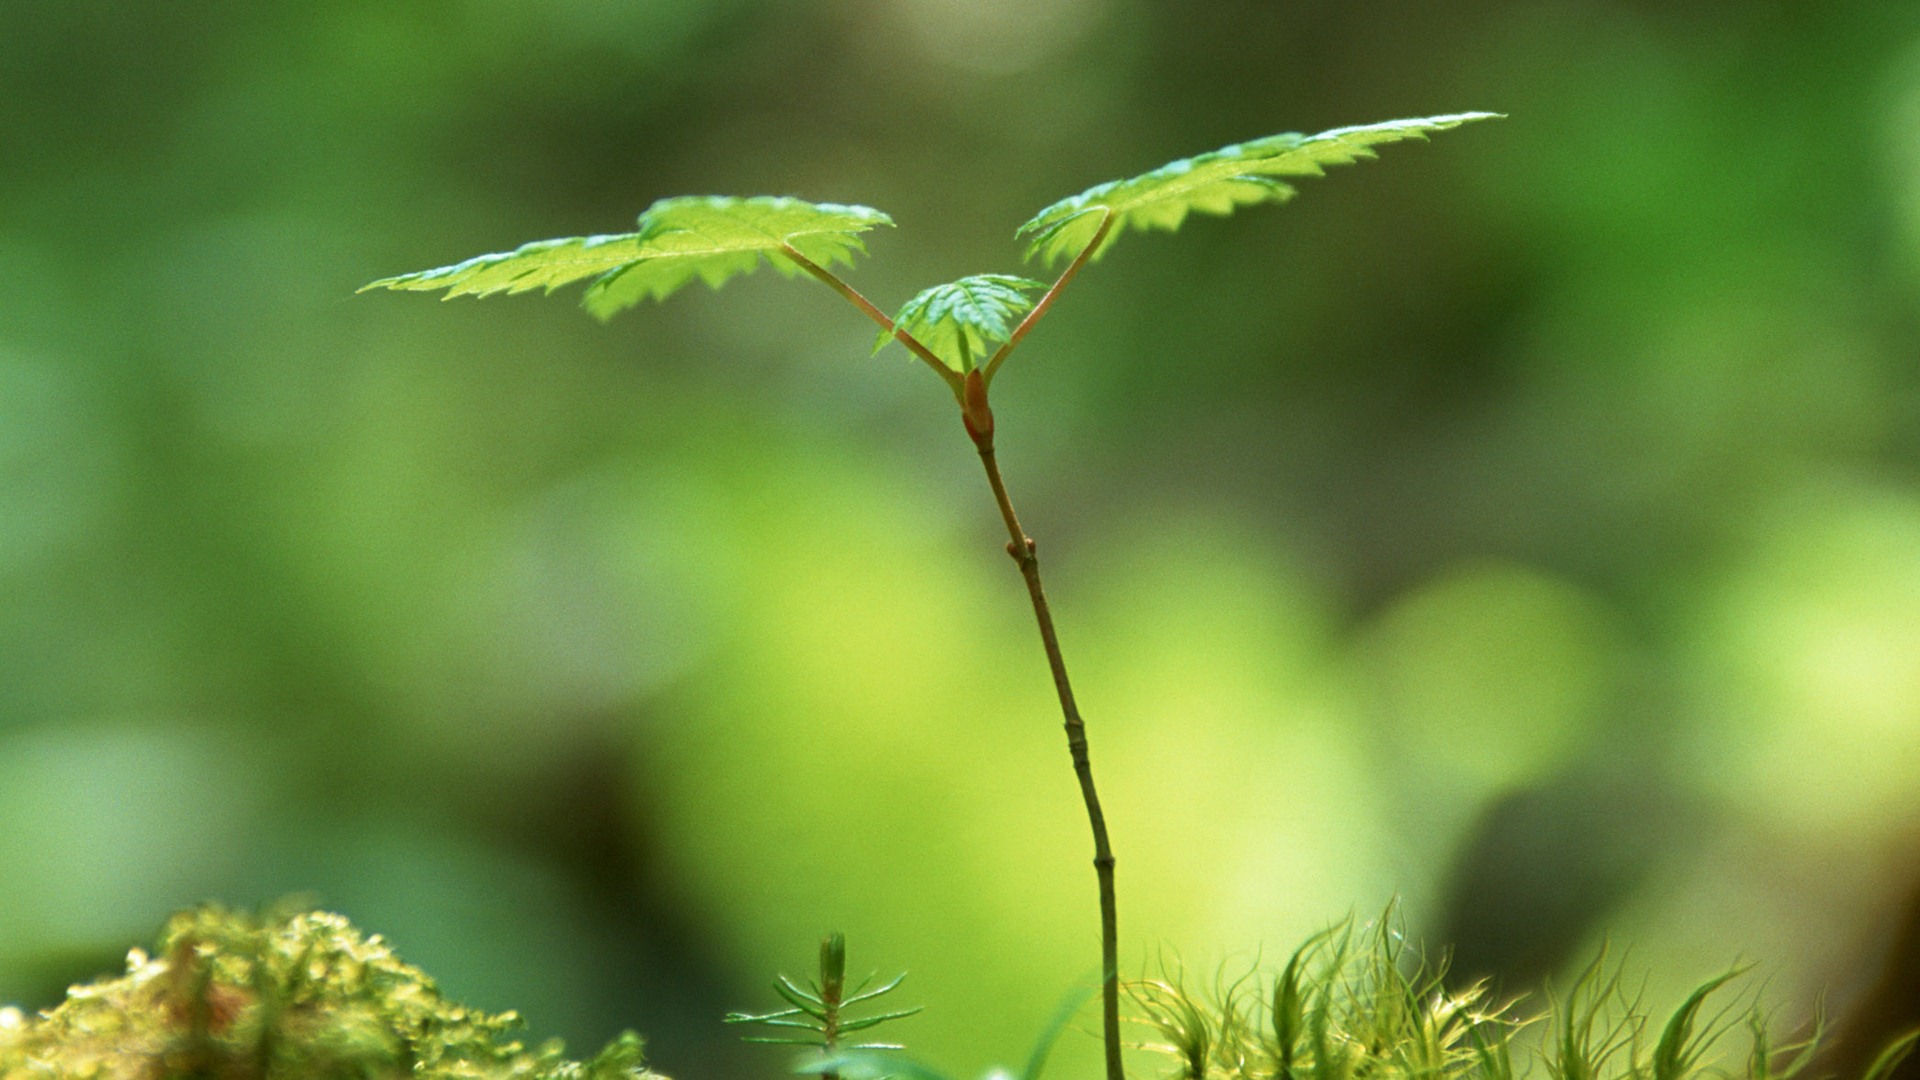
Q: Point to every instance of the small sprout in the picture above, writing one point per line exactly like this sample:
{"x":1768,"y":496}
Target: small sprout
{"x":817,"y":1010}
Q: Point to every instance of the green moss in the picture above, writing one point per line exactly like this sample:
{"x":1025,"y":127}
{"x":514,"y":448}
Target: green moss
{"x":226,"y":996}
{"x":1357,"y":1003}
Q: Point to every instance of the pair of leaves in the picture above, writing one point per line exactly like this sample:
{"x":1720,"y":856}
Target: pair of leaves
{"x":714,"y":238}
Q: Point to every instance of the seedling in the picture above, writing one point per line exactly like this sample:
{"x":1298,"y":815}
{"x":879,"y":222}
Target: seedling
{"x":306,"y":996}
{"x":963,"y":331}
{"x":819,"y":1010}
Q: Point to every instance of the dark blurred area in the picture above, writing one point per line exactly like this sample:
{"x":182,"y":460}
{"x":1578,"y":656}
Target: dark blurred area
{"x":1526,"y":524}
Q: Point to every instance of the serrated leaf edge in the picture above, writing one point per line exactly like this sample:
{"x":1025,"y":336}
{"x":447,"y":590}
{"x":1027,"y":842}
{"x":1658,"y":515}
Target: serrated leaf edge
{"x":1041,"y":229}
{"x":996,"y":298}
{"x":655,"y":223}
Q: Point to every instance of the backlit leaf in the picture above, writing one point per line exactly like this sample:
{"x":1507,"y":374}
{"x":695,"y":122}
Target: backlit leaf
{"x":708,"y":237}
{"x":1213,"y":183}
{"x":959,"y":319}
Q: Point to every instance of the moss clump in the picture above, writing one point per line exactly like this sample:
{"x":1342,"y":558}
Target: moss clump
{"x":1359,"y":1004}
{"x":305,"y":997}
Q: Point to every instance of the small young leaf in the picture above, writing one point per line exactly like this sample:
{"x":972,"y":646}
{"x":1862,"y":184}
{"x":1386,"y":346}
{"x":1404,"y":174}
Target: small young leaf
{"x":760,"y":1018}
{"x":1685,"y":1040}
{"x":957,"y":320}
{"x":802,"y":1000}
{"x":1213,"y":183}
{"x":865,"y":1022}
{"x":739,"y":1018}
{"x":709,"y":237}
{"x":857,"y":997}
{"x":833,"y":965}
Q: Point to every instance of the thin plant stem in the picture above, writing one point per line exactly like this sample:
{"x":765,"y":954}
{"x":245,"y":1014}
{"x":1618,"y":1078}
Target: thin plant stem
{"x":970,"y":390}
{"x":978,"y":418}
{"x":1000,"y":355}
{"x":1024,"y":552}
{"x":913,"y":344}
{"x":831,"y":975}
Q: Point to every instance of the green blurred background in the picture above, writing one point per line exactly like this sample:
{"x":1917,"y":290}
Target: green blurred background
{"x":1526,"y":525}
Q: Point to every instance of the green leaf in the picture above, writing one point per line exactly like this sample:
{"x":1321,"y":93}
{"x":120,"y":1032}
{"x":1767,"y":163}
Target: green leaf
{"x":1684,"y":1041}
{"x":958,"y":320}
{"x":772,"y":1021}
{"x":805,"y":1002}
{"x":757,"y":1018}
{"x":865,"y":1022}
{"x":833,"y":964}
{"x":1213,"y":183}
{"x":857,"y":997}
{"x":1890,"y":1058}
{"x":709,"y":237}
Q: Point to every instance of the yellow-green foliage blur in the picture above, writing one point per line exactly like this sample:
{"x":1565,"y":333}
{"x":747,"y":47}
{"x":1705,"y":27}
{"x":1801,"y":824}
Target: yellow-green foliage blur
{"x":1526,"y":524}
